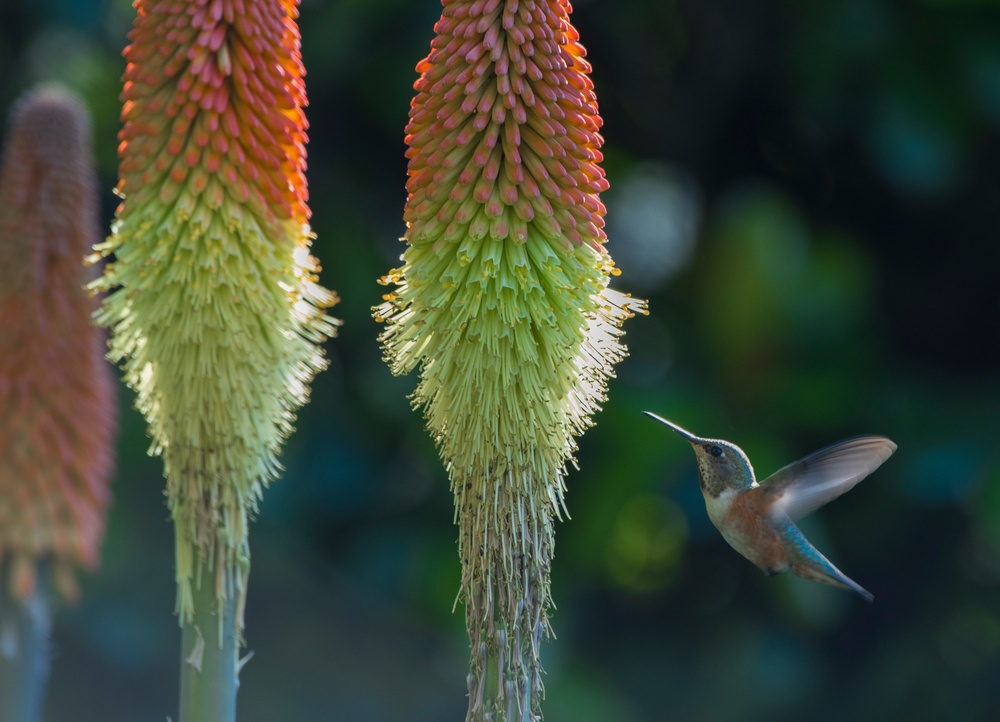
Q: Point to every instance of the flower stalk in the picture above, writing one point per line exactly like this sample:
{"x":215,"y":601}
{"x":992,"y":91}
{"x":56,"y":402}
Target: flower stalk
{"x":502,"y":303}
{"x":210,"y":643}
{"x":214,"y":305}
{"x":25,"y":628}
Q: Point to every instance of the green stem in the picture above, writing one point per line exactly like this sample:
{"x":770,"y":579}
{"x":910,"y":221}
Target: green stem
{"x":25,"y":626}
{"x":209,"y":655}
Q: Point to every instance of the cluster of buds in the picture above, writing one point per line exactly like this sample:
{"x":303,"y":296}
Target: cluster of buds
{"x":58,"y":405}
{"x":504,"y":306}
{"x":214,"y":303}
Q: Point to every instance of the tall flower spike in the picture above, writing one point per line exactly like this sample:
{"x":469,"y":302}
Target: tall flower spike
{"x":58,"y":406}
{"x":503,"y":304}
{"x":215,"y":309}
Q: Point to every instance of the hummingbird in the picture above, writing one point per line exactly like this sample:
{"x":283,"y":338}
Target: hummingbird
{"x":757,"y":519}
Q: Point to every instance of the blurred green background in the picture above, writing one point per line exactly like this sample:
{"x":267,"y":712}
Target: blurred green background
{"x":809,"y":196}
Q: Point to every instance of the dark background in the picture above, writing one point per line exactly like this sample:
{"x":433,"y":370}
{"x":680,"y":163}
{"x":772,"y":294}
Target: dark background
{"x":809,"y":196}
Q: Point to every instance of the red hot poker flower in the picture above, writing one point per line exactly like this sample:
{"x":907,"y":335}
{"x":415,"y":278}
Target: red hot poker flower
{"x":58,"y":406}
{"x":214,"y":306}
{"x":504,"y":306}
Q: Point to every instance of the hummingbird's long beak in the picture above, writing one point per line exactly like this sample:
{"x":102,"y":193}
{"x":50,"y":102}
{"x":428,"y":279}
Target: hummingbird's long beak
{"x":688,"y":436}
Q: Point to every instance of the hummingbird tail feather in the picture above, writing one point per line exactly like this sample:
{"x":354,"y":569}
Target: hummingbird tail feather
{"x":807,"y":562}
{"x":829,"y":575}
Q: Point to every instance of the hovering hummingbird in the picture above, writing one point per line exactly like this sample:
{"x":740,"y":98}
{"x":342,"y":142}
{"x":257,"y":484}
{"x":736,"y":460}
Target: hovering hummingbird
{"x":757,"y":518}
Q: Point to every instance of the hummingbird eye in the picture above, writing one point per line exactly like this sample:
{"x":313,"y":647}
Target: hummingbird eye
{"x":715,"y":451}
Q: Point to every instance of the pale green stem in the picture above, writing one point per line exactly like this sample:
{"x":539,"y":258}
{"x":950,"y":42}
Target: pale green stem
{"x":25,"y":626}
{"x":209,"y":655}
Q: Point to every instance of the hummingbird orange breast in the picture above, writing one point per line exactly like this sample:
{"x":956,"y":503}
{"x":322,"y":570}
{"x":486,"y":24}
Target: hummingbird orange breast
{"x":742,"y":519}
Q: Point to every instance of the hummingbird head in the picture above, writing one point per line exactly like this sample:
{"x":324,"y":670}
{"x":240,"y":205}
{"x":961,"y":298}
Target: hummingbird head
{"x":722,"y":465}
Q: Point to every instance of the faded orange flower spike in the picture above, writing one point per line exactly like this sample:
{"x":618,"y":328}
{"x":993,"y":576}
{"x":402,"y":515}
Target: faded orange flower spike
{"x":504,"y":306}
{"x":58,"y":406}
{"x":215,"y":309}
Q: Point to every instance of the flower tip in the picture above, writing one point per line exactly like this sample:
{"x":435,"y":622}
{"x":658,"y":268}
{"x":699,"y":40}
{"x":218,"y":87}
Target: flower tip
{"x":51,"y":122}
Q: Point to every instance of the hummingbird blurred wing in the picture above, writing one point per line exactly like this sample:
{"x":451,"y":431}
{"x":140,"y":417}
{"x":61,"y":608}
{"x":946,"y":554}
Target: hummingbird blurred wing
{"x":809,"y":483}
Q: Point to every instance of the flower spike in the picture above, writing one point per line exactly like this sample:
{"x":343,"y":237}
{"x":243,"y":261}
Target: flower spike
{"x":503,"y":305}
{"x":58,"y":402}
{"x":214,"y":303}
